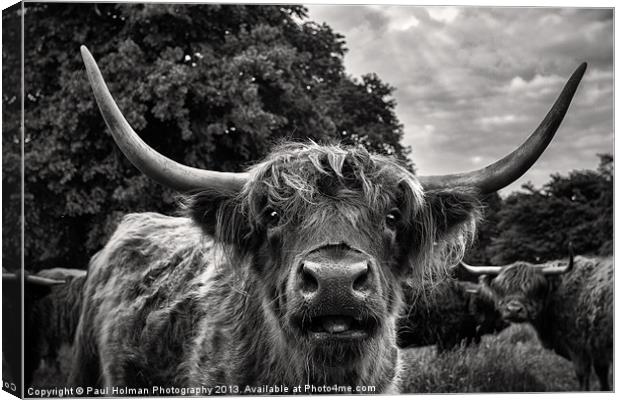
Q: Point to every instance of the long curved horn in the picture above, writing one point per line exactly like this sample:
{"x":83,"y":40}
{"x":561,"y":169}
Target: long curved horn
{"x":510,"y":168}
{"x":8,"y":276}
{"x":562,"y":270}
{"x":153,"y":164}
{"x":481,"y":270}
{"x":36,"y":280}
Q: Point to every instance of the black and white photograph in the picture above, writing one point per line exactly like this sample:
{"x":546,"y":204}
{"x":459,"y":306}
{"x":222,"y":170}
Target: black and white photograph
{"x":206,"y":199}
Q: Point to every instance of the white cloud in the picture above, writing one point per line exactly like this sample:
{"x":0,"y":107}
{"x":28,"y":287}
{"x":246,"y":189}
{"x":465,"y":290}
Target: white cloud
{"x":499,"y":120}
{"x":403,"y":24}
{"x":443,"y":14}
{"x":519,"y":84}
{"x":536,"y":88}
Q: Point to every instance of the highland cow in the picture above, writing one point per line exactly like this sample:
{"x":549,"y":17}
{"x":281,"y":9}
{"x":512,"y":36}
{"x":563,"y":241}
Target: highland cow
{"x":54,"y":318}
{"x":446,"y":313}
{"x":570,"y":305}
{"x":34,"y":289}
{"x":287,"y":274}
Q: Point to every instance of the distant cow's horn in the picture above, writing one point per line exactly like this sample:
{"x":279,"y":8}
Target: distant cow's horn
{"x":510,"y":168}
{"x":38,"y":280}
{"x":153,"y":164}
{"x":33,"y":279}
{"x":481,"y":270}
{"x":561,"y":270}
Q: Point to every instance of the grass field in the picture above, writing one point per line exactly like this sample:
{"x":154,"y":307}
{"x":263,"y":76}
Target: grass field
{"x":513,"y":361}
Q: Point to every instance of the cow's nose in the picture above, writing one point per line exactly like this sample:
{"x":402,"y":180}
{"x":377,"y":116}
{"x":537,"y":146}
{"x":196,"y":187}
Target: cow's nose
{"x":344,"y":278}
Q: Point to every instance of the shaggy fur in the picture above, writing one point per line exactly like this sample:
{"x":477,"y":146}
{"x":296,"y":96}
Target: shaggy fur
{"x":450,"y":313}
{"x":572,"y":313}
{"x":210,"y":299}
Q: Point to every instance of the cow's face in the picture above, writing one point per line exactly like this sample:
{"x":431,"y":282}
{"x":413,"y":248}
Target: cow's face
{"x":335,"y":243}
{"x":332,"y":234}
{"x":519,"y":292}
{"x":488,"y":319}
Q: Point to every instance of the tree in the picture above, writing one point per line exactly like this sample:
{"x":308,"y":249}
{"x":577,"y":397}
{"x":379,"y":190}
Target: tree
{"x":11,"y":138}
{"x":212,"y":86}
{"x":538,"y":224}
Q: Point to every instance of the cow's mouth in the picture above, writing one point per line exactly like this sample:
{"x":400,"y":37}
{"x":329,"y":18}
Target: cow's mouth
{"x":514,"y":317}
{"x":337,"y":327}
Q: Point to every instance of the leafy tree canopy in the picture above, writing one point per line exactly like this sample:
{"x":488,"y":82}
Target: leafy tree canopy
{"x":537,"y":225}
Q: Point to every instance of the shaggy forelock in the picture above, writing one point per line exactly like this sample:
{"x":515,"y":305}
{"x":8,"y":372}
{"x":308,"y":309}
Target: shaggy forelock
{"x":298,"y":176}
{"x":520,"y":277}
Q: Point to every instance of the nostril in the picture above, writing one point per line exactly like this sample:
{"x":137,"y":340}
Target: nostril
{"x":360,"y":281}
{"x":309,"y":283}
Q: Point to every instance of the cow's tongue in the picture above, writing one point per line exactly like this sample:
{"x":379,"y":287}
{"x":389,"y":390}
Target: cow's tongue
{"x":335,"y":324}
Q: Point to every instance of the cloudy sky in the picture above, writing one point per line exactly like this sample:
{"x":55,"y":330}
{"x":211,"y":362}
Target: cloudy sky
{"x":472,"y":83}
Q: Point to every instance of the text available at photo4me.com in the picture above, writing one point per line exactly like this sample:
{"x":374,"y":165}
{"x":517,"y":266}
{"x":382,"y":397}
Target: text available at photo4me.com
{"x":195,"y":390}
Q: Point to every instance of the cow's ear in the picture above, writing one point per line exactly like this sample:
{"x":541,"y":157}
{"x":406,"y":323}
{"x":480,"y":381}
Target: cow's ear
{"x":453,"y":210}
{"x":485,"y":291}
{"x":218,"y":214}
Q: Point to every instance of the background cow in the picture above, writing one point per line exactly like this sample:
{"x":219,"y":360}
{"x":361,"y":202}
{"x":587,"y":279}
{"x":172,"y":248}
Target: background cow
{"x":34,"y":289}
{"x":570,"y":306}
{"x":54,"y":317}
{"x":446,"y":313}
{"x":289,"y":273}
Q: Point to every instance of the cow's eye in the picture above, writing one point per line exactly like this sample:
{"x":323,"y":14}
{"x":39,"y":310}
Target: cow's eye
{"x":392,"y":218}
{"x":272,"y":216}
